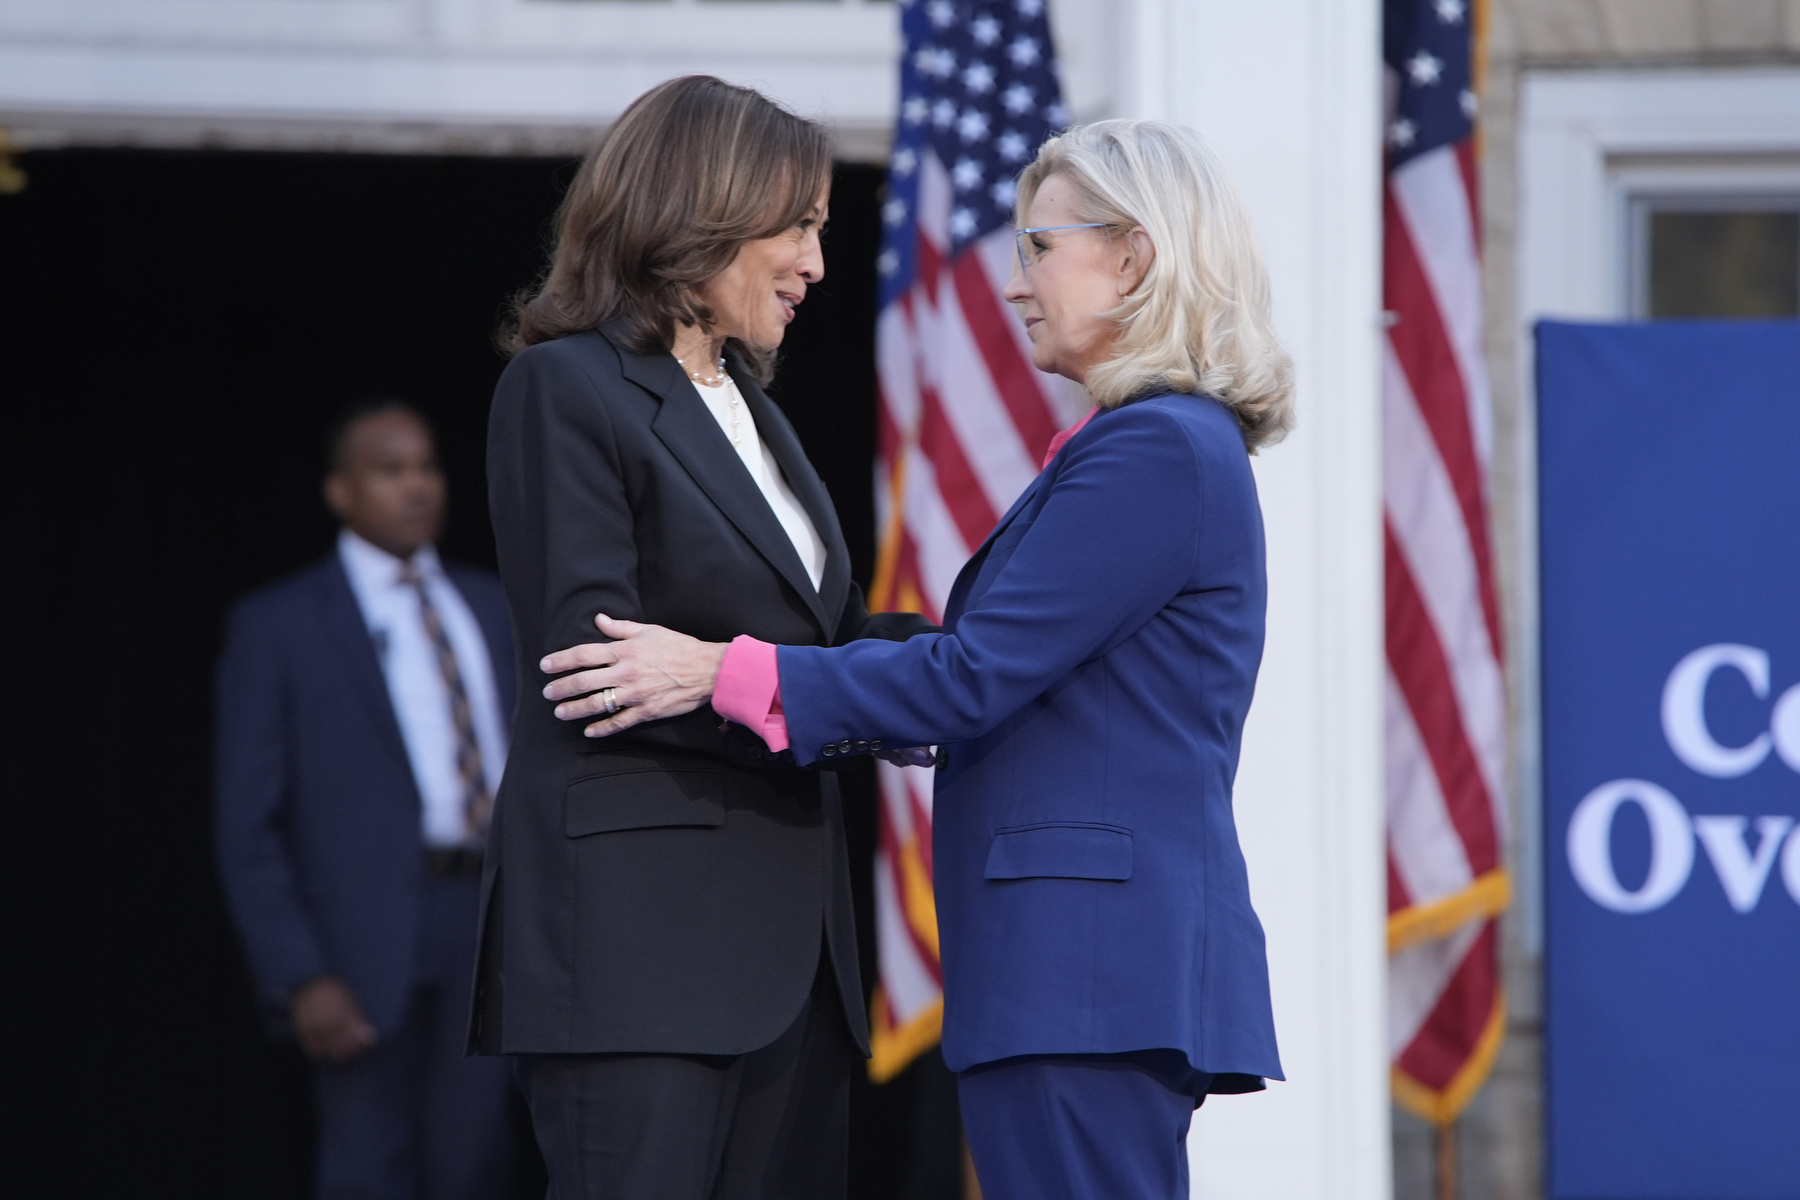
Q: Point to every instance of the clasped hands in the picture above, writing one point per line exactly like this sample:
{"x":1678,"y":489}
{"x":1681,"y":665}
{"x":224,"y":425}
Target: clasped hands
{"x":649,"y":672}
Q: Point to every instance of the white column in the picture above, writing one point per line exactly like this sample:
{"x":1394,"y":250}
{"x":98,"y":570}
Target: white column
{"x":1288,"y":92}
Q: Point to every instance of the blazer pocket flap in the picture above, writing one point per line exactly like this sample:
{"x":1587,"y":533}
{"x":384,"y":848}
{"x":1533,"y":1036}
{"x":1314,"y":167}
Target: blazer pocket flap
{"x":643,"y":800}
{"x":1061,"y":850}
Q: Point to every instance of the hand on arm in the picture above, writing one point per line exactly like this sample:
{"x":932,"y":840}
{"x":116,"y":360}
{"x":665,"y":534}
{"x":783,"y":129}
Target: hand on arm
{"x":655,"y":672}
{"x":651,"y":673}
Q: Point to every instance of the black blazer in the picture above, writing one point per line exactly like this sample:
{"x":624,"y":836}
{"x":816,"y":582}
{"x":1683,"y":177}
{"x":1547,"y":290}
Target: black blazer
{"x":316,"y":813}
{"x":667,"y":890}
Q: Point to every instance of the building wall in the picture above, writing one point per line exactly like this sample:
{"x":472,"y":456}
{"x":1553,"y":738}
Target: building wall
{"x":447,"y":76}
{"x":1501,"y":1138}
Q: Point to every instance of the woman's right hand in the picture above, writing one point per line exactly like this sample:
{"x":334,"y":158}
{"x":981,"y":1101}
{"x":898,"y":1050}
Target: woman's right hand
{"x":647,"y":671}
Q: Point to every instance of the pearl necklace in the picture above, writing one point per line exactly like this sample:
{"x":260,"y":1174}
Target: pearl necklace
{"x":721,"y":379}
{"x":719,"y":376}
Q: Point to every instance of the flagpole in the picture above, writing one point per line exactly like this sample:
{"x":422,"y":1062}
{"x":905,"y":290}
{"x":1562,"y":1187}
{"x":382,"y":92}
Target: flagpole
{"x":1445,"y":1144}
{"x":1446,"y":1137}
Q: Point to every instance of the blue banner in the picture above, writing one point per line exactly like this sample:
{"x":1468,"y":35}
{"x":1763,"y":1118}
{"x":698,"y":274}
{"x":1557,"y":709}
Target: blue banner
{"x":1669,"y":473}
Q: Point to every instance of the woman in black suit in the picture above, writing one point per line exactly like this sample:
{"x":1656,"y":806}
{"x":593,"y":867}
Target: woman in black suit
{"x":667,"y":942}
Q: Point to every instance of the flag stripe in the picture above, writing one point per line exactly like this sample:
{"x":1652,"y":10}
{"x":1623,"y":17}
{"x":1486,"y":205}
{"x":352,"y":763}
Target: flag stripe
{"x":928,"y":605}
{"x":918,"y":799}
{"x":1012,"y":375}
{"x":1417,"y":978}
{"x":1422,"y":507}
{"x":957,"y":483}
{"x":1465,"y":164}
{"x":1426,"y":851}
{"x":1434,"y":376}
{"x":1433,"y":200}
{"x":1447,"y":1037}
{"x":891,"y":850}
{"x":1424,"y":679}
{"x":906,"y":972}
{"x":938,"y":549}
{"x":989,"y":435}
{"x":1398,"y":897}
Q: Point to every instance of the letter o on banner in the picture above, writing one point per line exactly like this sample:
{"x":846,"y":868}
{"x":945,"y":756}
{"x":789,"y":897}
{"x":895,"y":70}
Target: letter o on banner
{"x":1590,"y":845}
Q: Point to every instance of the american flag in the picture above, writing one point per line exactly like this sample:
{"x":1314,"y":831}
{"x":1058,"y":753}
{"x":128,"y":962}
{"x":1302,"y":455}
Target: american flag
{"x":1446,"y":699}
{"x":964,"y":417}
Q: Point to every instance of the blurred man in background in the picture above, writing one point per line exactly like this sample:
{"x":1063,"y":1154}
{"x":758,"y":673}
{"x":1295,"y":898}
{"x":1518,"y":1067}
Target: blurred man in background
{"x":361,"y":730}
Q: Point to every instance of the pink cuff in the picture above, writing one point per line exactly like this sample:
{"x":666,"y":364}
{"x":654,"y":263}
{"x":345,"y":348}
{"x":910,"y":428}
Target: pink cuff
{"x":748,"y":690}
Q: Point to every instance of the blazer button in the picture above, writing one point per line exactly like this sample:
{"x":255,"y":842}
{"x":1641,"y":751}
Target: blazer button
{"x":875,"y":745}
{"x":861,"y":746}
{"x":828,"y":750}
{"x":844,"y":746}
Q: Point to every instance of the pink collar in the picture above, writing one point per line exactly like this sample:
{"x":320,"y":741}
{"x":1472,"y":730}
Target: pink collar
{"x":1056,"y":443}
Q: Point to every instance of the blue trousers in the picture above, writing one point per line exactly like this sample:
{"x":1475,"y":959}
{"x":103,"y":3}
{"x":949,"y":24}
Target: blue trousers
{"x":1084,"y":1127}
{"x":412,"y":1118}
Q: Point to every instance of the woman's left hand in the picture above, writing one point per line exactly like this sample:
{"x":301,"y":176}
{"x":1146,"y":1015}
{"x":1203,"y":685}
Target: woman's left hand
{"x":650,"y":672}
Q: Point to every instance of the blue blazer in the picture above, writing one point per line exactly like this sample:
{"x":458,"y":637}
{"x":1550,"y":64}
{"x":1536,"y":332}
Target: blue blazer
{"x":317,"y":817}
{"x":1089,"y":688}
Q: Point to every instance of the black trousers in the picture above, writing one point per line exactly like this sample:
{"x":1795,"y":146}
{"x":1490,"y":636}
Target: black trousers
{"x":769,"y":1125}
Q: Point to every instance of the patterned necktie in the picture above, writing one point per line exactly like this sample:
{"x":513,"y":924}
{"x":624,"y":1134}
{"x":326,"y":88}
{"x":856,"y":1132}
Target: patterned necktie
{"x":478,"y":802}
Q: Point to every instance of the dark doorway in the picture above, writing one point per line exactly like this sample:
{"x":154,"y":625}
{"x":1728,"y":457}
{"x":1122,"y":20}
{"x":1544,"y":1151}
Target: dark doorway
{"x":178,"y":328}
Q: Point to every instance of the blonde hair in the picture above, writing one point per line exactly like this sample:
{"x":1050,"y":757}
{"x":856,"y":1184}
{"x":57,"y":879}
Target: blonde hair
{"x":1199,"y":321}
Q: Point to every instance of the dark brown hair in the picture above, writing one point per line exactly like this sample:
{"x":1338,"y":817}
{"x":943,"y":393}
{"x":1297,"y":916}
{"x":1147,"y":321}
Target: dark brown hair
{"x":691,"y":171}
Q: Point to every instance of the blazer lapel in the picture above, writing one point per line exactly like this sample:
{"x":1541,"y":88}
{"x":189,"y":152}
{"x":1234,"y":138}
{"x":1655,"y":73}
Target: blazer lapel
{"x":965,"y":578}
{"x":779,"y":436}
{"x":343,"y":621}
{"x":696,"y":441}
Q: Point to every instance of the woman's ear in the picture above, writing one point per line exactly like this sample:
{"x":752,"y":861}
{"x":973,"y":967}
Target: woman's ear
{"x":1140,"y":253}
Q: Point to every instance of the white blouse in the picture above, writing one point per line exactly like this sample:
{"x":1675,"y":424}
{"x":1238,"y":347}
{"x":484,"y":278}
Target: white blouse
{"x":727,"y":406}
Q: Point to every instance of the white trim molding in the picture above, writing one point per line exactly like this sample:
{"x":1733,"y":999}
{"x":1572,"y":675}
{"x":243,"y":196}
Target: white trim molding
{"x":386,"y":73}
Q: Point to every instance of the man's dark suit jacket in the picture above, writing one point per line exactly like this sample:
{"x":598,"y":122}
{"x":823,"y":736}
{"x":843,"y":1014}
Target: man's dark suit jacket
{"x":666,"y":890}
{"x":318,"y":816}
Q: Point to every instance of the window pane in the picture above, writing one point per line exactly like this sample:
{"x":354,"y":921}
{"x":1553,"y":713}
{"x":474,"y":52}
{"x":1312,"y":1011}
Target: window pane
{"x":1724,"y":264}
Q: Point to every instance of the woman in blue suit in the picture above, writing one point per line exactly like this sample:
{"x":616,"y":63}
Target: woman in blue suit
{"x":1103,"y":967}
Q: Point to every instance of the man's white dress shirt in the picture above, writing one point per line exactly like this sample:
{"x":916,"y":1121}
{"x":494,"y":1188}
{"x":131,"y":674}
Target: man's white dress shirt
{"x":767,"y":472}
{"x":390,"y":609}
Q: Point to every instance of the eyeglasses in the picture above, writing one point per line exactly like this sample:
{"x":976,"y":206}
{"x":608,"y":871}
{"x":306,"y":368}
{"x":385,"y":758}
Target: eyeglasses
{"x":1028,"y":255}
